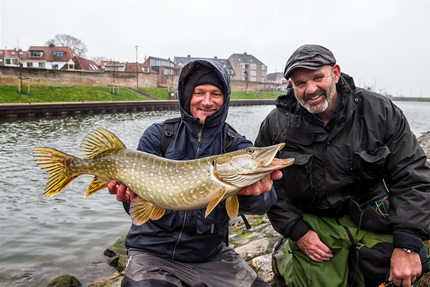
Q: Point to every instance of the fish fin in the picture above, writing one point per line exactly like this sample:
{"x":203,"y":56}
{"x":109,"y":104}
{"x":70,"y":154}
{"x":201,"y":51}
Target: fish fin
{"x":54,"y":162}
{"x":142,"y":210}
{"x":99,"y":141}
{"x":95,"y":185}
{"x":232,"y":206}
{"x":214,"y":202}
{"x":157,"y":213}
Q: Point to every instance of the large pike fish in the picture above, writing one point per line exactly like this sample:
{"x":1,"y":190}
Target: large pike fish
{"x":160,"y":183}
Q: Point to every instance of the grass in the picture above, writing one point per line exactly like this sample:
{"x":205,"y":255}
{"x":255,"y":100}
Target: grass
{"x":237,"y":95}
{"x":161,"y":93}
{"x":45,"y":94}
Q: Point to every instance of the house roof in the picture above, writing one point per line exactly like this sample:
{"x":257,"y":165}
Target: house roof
{"x":12,"y":53}
{"x":245,"y":58}
{"x":182,"y":61}
{"x":49,"y":55}
{"x":85,"y":64}
{"x":133,"y":67}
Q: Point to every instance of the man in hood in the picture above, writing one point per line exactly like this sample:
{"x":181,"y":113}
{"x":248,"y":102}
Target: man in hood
{"x":185,"y":248}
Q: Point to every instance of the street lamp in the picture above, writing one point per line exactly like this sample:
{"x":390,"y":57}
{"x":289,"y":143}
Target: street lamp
{"x":137,"y":71}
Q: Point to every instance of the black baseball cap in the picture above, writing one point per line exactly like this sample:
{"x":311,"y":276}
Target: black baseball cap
{"x":311,"y":57}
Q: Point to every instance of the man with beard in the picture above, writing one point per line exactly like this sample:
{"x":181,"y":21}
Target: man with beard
{"x":354,"y":206}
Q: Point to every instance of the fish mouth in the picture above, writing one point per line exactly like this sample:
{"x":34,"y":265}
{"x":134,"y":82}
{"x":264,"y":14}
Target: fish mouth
{"x":271,"y":160}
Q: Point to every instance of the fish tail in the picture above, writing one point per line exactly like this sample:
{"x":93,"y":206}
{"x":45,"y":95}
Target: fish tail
{"x":55,"y":163}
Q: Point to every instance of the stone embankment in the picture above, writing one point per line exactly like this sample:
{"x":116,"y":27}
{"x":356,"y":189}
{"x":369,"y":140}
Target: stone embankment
{"x":255,"y":245}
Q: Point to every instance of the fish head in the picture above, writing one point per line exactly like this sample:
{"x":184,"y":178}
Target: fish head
{"x":247,"y":166}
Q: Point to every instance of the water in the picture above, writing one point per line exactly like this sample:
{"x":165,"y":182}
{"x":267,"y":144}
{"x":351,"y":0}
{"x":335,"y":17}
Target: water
{"x":42,"y":238}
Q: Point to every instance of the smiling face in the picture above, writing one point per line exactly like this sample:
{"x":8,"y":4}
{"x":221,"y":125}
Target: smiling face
{"x":316,"y":90}
{"x":206,"y":100}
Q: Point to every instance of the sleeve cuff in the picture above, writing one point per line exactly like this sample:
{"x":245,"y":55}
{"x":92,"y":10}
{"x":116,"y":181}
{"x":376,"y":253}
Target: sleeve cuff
{"x":298,"y":230}
{"x":407,"y":239}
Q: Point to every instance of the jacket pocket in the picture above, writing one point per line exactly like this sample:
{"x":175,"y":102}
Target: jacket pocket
{"x":297,"y":178}
{"x":214,"y":222}
{"x":370,"y":165}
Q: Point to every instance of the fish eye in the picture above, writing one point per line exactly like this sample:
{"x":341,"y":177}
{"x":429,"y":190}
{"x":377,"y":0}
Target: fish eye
{"x":249,"y":151}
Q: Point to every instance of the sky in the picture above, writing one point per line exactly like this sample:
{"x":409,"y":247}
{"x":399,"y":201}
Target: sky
{"x":383,"y":44}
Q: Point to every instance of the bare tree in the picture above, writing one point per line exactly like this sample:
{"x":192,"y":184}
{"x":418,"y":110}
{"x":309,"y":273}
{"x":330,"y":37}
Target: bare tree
{"x":98,"y":59}
{"x":78,"y":47}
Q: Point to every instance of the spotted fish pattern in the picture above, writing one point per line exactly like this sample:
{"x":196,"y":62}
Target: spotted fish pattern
{"x":161,"y":184}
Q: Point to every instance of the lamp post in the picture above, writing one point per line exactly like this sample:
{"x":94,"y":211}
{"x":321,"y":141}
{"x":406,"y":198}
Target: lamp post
{"x":137,"y":71}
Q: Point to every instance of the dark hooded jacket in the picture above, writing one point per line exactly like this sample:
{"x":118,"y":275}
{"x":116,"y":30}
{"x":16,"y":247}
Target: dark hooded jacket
{"x":366,"y":152}
{"x":188,"y":236}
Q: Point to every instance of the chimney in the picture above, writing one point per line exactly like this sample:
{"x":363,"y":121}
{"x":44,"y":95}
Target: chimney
{"x":245,"y":53}
{"x":215,"y":57}
{"x":188,"y":56}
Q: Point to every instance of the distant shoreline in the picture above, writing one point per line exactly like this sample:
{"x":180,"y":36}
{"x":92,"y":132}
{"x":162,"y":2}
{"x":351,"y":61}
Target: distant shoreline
{"x":409,"y":99}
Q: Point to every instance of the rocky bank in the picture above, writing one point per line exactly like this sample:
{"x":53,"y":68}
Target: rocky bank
{"x":255,"y":245}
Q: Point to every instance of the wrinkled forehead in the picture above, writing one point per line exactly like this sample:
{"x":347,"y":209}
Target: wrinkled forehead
{"x":299,"y":74}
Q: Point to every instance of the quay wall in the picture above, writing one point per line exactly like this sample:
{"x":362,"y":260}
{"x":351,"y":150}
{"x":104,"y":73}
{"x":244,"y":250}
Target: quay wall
{"x":70,"y":108}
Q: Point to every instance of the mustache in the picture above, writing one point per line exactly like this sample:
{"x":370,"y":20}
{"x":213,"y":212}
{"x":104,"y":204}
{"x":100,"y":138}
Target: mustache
{"x":318,"y":92}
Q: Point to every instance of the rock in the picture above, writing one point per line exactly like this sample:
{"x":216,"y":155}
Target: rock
{"x":253,"y":249}
{"x":117,"y":248}
{"x":111,"y":281}
{"x":263,"y":265}
{"x":65,"y":280}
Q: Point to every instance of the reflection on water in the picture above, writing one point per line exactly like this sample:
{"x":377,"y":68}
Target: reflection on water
{"x":41,"y":238}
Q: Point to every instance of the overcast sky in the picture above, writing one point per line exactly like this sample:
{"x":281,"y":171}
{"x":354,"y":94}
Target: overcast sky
{"x":382,"y":43}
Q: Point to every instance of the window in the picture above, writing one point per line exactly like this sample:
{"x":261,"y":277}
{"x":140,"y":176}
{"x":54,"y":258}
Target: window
{"x":36,"y":54}
{"x":169,"y":72}
{"x":15,"y":61}
{"x":253,"y":66}
{"x":29,"y":65}
{"x":264,"y":67}
{"x":253,"y":79}
{"x":7,"y":61}
{"x":145,"y":70}
{"x":253,"y":73}
{"x":58,"y":54}
{"x":242,"y":65}
{"x":41,"y":65}
{"x":54,"y":67}
{"x":71,"y":67}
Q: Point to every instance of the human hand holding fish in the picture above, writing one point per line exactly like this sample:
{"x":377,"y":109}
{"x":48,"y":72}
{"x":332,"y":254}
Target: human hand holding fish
{"x":161,"y":184}
{"x":122,"y":192}
{"x":262,"y":186}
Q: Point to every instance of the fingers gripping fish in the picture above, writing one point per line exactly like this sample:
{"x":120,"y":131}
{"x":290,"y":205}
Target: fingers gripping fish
{"x":160,"y":183}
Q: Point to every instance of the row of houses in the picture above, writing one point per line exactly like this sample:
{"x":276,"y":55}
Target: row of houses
{"x":241,"y":67}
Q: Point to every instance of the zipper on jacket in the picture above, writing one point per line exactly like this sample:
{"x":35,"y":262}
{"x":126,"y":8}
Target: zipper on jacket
{"x":180,"y":235}
{"x":199,"y":140}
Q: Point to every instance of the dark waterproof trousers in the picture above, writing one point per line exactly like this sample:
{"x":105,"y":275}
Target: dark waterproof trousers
{"x":227,"y":269}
